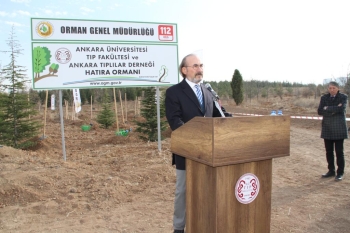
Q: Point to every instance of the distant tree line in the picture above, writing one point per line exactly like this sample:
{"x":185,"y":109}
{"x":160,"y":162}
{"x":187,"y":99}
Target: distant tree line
{"x":251,"y":89}
{"x":256,"y":89}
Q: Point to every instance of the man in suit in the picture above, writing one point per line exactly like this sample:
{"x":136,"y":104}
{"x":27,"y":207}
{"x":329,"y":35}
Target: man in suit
{"x":184,"y":101}
{"x":334,"y":130}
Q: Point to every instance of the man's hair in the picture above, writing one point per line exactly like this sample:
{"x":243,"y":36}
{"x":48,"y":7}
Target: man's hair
{"x":333,"y":83}
{"x":184,"y":63}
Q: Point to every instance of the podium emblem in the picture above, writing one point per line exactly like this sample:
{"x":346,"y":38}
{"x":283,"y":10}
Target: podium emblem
{"x":247,"y":188}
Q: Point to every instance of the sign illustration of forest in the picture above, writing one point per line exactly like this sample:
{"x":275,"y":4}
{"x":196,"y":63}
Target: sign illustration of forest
{"x":41,"y":59}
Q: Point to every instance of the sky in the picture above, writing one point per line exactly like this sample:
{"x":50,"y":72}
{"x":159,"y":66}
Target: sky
{"x":304,"y":41}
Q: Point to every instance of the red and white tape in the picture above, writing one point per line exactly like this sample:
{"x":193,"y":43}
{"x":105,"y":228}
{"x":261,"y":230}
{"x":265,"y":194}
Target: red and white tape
{"x":296,"y":117}
{"x":247,"y":114}
{"x":306,"y":117}
{"x":313,"y":118}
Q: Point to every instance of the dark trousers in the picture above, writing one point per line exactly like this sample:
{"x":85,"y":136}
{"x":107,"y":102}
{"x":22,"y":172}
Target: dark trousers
{"x":339,"y":151}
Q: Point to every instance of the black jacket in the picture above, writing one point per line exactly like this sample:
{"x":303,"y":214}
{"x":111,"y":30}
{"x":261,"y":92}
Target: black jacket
{"x":334,"y":117}
{"x":181,"y":105}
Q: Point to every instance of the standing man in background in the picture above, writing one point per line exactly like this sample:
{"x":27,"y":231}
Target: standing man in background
{"x":334,"y":130}
{"x":184,"y":101}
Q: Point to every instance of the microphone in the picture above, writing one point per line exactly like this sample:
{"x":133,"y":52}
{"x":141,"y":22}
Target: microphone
{"x":208,"y":86}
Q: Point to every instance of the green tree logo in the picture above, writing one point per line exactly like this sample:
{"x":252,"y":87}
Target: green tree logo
{"x":44,"y":29}
{"x":41,"y":59}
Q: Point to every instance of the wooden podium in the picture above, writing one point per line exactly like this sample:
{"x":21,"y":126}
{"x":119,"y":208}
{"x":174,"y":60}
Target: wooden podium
{"x":229,"y":171}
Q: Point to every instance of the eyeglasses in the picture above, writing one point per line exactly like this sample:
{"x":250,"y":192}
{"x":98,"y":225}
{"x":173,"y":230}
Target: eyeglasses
{"x":196,"y":66}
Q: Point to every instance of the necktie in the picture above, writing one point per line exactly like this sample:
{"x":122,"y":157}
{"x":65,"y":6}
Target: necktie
{"x":199,"y":95}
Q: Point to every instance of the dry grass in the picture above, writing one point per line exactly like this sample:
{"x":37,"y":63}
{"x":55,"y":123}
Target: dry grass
{"x":306,"y":102}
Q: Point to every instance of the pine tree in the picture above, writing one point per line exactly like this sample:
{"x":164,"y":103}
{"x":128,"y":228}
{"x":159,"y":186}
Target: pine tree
{"x":149,"y":126}
{"x":131,"y":93}
{"x":106,"y":117}
{"x":237,"y":87}
{"x":2,"y":117}
{"x":17,"y":128}
{"x":34,"y":96}
{"x":279,"y":90}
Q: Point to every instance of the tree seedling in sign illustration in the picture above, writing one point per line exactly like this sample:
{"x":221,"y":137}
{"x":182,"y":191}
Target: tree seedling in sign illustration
{"x":41,"y":59}
{"x":53,"y":68}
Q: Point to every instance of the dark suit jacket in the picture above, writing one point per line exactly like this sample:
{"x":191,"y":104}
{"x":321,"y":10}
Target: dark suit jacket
{"x":334,"y":125}
{"x":181,"y":105}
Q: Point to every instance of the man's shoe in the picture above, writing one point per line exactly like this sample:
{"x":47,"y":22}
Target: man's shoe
{"x":328,"y":174}
{"x":339,"y":177}
{"x":179,"y":231}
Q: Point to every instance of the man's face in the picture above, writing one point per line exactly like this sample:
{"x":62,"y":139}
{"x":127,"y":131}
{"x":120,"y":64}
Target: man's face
{"x":333,"y":90}
{"x":192,"y":70}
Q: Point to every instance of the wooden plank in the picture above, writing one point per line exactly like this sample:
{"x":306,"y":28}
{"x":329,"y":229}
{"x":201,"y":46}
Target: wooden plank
{"x":194,"y":140}
{"x":200,"y":197}
{"x":246,"y":139}
{"x":235,"y":217}
{"x":212,"y":206}
{"x":223,"y":141}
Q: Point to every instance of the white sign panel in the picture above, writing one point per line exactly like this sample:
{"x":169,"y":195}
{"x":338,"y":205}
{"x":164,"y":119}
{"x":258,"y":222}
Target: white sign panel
{"x":82,"y":65}
{"x":77,"y":100}
{"x":99,"y":30}
{"x":52,"y":102}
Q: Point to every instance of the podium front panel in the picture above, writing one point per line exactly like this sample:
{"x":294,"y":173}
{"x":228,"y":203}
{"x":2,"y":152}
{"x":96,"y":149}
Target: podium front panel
{"x":211,"y":203}
{"x":232,"y":215}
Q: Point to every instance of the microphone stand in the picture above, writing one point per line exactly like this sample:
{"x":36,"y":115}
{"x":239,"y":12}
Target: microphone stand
{"x":217,"y":105}
{"x":215,"y":98}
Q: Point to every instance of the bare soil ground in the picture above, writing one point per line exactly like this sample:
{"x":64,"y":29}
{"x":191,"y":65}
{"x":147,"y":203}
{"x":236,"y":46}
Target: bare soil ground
{"x":111,"y":183}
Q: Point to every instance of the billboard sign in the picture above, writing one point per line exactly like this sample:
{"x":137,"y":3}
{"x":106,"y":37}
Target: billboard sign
{"x":101,"y":30}
{"x":103,"y":54}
